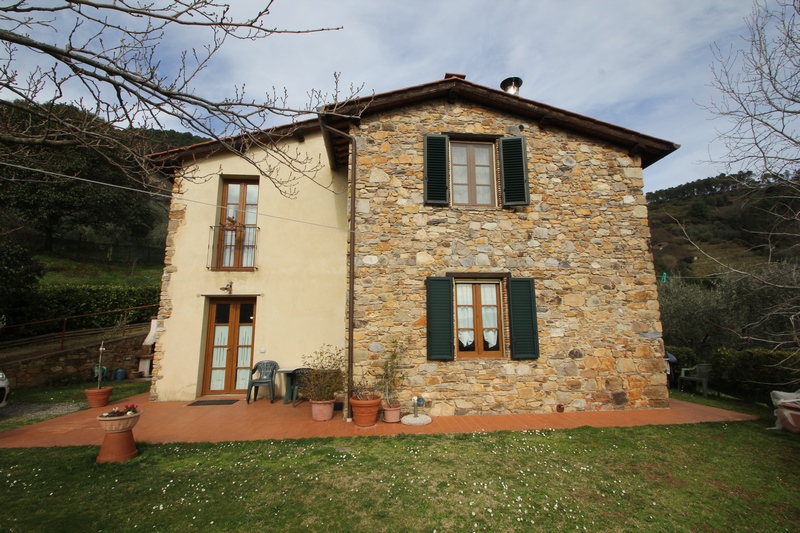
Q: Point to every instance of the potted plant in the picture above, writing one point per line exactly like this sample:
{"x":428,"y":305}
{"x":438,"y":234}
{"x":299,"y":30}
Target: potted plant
{"x":98,"y":397}
{"x":365,"y":403}
{"x":118,"y":444}
{"x":324,"y":379}
{"x":391,"y":378}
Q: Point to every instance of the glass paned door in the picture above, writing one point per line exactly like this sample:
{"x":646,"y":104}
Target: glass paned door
{"x":229,"y":352}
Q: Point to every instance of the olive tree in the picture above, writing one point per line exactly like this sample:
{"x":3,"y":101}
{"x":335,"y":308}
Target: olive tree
{"x":759,"y":104}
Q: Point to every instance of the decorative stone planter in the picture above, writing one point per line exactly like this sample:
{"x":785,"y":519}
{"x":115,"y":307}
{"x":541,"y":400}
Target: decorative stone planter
{"x":365,"y":412}
{"x":98,"y":397}
{"x":118,"y":444}
{"x":321,"y":411}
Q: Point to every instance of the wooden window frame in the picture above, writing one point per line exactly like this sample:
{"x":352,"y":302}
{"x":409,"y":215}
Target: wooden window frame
{"x":480,"y":352}
{"x":471,"y":166}
{"x":242,"y":232}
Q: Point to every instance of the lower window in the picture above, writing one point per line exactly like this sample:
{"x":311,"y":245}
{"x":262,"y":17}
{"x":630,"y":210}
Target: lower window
{"x":465,"y":316}
{"x":478,"y":323}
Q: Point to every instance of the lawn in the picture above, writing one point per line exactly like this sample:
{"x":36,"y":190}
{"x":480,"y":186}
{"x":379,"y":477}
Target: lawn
{"x":28,"y":406}
{"x":700,"y":477}
{"x":61,"y":270}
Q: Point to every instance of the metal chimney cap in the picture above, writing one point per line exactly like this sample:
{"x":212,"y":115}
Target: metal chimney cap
{"x":511,"y":85}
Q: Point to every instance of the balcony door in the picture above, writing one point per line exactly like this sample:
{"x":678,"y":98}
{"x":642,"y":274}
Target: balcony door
{"x":229,"y":345}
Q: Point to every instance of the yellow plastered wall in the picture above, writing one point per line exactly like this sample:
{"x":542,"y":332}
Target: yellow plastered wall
{"x":300,"y":277}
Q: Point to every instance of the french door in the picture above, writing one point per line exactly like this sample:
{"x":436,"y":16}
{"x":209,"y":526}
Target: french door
{"x":229,"y":345}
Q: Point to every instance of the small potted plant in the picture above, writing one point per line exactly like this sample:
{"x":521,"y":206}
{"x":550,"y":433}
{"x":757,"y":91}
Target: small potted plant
{"x":365,"y":403}
{"x":324,"y":379}
{"x":120,"y":419}
{"x":118,"y":444}
{"x":98,"y":397}
{"x":391,"y":378}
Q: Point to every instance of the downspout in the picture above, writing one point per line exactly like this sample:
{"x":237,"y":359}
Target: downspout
{"x":351,"y":275}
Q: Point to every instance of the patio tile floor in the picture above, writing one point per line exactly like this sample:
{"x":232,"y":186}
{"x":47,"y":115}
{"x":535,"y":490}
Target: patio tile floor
{"x":164,"y":422}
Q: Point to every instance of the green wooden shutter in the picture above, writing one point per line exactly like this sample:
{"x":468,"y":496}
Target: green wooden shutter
{"x":437,"y":170}
{"x":440,"y":319}
{"x":514,"y":171}
{"x":522,"y":311}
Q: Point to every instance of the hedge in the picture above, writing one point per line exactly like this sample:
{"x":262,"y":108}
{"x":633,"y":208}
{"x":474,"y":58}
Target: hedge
{"x":749,"y":374}
{"x":72,"y":300}
{"x":752,"y":374}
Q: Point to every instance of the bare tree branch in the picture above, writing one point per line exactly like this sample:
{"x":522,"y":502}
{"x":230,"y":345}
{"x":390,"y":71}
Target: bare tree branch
{"x":115,"y":59}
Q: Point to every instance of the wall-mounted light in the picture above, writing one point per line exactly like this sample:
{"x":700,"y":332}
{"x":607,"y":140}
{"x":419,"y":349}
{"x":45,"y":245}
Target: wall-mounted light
{"x":227,"y":288}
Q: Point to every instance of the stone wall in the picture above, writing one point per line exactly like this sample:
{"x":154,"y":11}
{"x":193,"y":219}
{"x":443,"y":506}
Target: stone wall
{"x":584,"y":238}
{"x":177,"y":218}
{"x":73,"y":365}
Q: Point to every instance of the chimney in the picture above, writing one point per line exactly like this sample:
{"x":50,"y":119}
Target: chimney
{"x":511,"y":85}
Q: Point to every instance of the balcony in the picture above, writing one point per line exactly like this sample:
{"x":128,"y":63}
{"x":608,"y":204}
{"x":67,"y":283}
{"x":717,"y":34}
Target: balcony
{"x":232,"y":247}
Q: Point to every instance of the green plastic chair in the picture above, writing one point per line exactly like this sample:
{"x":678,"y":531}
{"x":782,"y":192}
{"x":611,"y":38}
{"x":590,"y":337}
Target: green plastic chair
{"x":266,"y":378}
{"x":697,"y":374}
{"x":298,"y":383}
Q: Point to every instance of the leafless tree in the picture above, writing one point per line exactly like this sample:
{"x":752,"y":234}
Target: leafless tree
{"x":759,"y":100}
{"x":116,"y":60}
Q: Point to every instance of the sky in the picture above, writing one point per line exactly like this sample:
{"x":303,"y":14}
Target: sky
{"x":640,"y":64}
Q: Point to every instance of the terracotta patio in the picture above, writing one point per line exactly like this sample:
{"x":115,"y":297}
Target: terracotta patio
{"x":164,"y":422}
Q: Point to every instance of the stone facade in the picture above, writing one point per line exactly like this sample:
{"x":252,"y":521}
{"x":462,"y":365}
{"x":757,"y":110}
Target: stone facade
{"x":584,"y":238}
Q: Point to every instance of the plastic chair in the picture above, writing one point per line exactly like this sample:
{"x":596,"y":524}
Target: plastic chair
{"x":298,"y":383}
{"x":698,"y":374}
{"x":266,"y":377}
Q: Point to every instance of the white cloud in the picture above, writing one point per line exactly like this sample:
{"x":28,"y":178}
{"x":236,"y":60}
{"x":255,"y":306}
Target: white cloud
{"x":643,"y":65}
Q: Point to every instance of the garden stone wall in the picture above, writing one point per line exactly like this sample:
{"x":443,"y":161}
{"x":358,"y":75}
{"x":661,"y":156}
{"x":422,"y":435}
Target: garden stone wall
{"x":584,"y":238}
{"x":73,"y":365}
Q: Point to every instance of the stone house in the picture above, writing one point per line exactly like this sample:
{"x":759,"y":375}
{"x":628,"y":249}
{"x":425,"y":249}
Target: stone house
{"x":503,"y":241}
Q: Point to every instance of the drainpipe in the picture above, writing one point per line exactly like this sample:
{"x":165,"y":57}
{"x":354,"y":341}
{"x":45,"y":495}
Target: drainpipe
{"x":351,"y":276}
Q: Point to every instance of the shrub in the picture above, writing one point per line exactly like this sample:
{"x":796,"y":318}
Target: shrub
{"x":753,"y":374}
{"x":72,"y":300}
{"x":326,"y":377}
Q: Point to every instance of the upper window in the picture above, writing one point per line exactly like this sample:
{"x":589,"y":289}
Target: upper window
{"x":463,"y":173}
{"x":236,"y":233}
{"x":473,"y":173}
{"x":465,"y":317}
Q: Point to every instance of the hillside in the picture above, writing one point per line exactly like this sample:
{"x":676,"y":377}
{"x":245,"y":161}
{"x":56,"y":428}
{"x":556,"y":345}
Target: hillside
{"x":731,"y":218}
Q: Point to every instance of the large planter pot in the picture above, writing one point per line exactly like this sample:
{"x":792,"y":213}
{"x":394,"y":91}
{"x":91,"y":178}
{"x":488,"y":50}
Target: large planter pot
{"x":98,"y":397}
{"x":321,"y":411}
{"x":365,"y":412}
{"x":391,"y":415}
{"x":118,"y":444}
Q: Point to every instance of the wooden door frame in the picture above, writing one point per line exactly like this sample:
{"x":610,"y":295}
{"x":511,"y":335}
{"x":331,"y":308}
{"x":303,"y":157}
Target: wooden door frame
{"x":230,"y":364}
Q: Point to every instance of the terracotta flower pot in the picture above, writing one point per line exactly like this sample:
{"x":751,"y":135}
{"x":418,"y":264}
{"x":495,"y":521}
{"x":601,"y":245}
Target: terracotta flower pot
{"x":391,"y":415}
{"x":118,"y":444}
{"x":365,"y":412}
{"x":321,"y":411}
{"x":98,"y":397}
{"x":116,"y":424}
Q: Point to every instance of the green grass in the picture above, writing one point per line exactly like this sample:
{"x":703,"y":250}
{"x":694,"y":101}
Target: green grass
{"x":703,"y":477}
{"x":74,"y":392}
{"x":695,"y":477}
{"x":45,"y":397}
{"x":63,"y":271}
{"x":722,"y":401}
